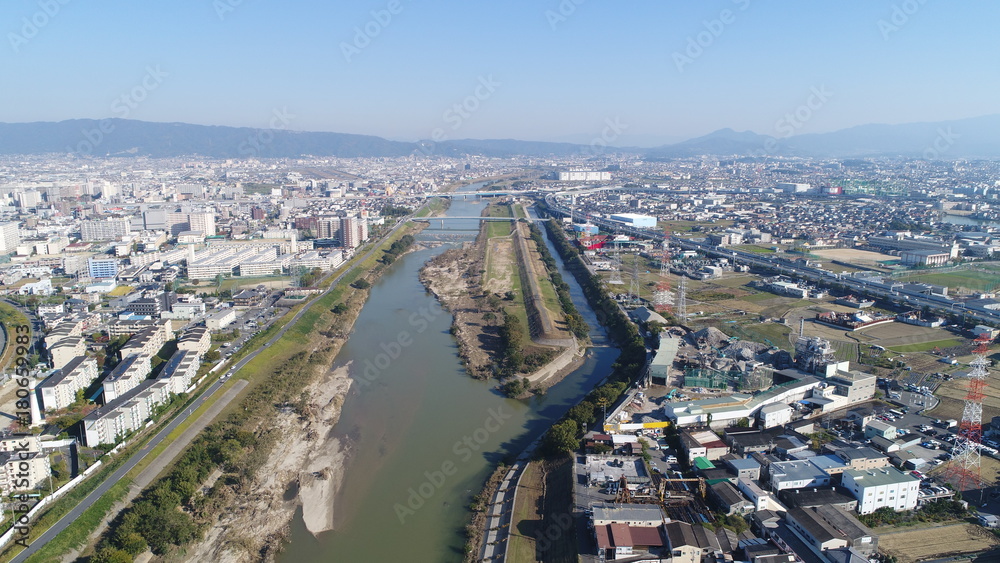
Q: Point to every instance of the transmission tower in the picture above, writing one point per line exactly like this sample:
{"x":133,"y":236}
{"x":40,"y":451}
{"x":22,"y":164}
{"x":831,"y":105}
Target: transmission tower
{"x":633,"y":285}
{"x":663,"y":297}
{"x":964,"y":471}
{"x":682,"y":303}
{"x":616,"y":265}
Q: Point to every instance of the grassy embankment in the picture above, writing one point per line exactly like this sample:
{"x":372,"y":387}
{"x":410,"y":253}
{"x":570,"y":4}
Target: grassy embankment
{"x":10,"y":318}
{"x":542,"y":527}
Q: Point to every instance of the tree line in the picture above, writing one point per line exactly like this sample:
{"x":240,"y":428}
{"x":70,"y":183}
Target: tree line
{"x":564,"y":436}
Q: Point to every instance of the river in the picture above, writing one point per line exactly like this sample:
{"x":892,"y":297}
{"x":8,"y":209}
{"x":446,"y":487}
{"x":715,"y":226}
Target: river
{"x":965,"y":220}
{"x":425,"y":435}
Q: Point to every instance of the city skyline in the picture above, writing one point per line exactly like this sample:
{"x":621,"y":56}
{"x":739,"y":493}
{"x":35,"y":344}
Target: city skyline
{"x":556,"y":71}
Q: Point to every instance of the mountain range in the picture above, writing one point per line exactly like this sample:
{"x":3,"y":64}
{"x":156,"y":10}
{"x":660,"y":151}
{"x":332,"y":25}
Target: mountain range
{"x":965,"y":138}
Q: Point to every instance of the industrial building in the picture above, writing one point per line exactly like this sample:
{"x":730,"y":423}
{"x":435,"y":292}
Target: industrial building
{"x":886,"y":486}
{"x":635,"y":220}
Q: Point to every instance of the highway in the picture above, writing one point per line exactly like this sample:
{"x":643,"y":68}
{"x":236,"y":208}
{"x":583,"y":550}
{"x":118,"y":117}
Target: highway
{"x":119,"y":473}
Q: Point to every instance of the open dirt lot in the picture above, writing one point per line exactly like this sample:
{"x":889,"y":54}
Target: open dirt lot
{"x":500,"y":265}
{"x":912,"y":546}
{"x":853,"y":255}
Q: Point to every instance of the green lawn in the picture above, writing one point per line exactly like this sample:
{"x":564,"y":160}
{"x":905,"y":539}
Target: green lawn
{"x":755,"y":249}
{"x":433,"y":206}
{"x":549,"y":297}
{"x":498,"y":229}
{"x":499,"y":210}
{"x":927,"y":346}
{"x":969,"y":279}
{"x":776,"y":333}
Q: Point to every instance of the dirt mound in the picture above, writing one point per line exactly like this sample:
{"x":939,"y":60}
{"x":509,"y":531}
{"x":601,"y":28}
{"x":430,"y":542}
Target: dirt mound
{"x":710,"y":336}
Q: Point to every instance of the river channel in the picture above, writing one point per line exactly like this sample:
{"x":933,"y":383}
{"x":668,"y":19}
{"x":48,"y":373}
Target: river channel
{"x":424,"y":434}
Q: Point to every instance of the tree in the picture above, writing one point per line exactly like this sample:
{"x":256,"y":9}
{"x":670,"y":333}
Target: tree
{"x":132,"y":543}
{"x":743,"y":422}
{"x":111,"y":555}
{"x":361,"y":284}
{"x":582,"y":413}
{"x":339,"y":309}
{"x":211,"y":356}
{"x":561,"y":438}
{"x":601,"y":448}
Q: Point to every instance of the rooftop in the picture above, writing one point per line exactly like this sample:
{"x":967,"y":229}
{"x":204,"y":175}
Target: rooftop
{"x":627,"y":512}
{"x":879,"y":477}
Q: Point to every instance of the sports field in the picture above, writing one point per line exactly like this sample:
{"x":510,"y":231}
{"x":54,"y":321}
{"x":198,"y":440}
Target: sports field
{"x":970,"y":280}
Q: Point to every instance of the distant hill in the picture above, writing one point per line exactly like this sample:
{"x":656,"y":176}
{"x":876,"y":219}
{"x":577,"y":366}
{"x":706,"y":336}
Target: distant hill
{"x":124,"y":137}
{"x":965,"y":138}
{"x":977,"y":137}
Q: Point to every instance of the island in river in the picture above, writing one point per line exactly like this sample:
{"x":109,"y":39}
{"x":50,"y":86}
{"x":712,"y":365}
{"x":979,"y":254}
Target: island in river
{"x":512,"y":320}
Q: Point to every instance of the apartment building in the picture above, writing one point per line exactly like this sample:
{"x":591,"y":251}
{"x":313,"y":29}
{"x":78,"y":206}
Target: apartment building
{"x":60,"y":387}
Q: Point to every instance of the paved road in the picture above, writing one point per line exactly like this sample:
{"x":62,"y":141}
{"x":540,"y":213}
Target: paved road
{"x":115,"y":477}
{"x":119,"y":474}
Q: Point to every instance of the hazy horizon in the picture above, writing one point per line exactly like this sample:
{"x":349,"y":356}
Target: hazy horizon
{"x":559,"y":71}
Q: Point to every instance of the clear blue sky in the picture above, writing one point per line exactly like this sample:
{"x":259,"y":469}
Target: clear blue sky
{"x":560,"y":78}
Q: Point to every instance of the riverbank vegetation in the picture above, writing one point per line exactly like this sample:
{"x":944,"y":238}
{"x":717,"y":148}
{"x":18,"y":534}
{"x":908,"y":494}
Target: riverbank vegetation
{"x":564,"y":435}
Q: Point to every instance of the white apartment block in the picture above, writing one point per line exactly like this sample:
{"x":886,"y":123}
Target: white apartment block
{"x":146,"y":342}
{"x":66,"y":349}
{"x":196,"y":339}
{"x":886,"y":486}
{"x":9,"y":237}
{"x":59,"y":389}
{"x":202,"y":222}
{"x":62,"y":331}
{"x":124,"y":414}
{"x":180,"y":370}
{"x":106,"y":229}
{"x":127,"y":375}
{"x":265,"y":264}
{"x":23,"y":470}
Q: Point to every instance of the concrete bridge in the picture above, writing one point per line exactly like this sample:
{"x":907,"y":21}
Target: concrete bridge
{"x":473,"y":195}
